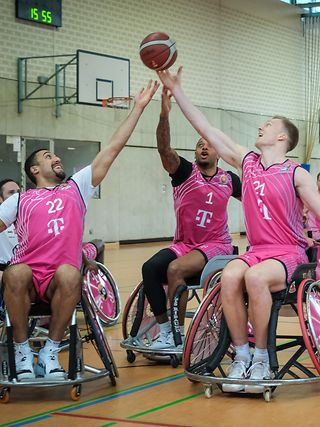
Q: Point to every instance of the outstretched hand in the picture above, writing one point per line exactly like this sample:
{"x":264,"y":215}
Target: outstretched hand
{"x":144,"y":96}
{"x":170,"y":81}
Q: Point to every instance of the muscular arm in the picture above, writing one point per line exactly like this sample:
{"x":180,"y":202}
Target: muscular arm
{"x":169,"y":157}
{"x":225,"y":147}
{"x":307,"y":190}
{"x":105,"y":158}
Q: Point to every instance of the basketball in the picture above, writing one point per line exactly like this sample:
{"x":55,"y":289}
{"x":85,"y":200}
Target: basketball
{"x":158,"y":51}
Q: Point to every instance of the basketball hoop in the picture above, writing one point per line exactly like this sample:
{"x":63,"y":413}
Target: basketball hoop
{"x":117,"y":102}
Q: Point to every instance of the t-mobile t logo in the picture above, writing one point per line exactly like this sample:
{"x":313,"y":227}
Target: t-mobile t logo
{"x":204,"y":217}
{"x":55,"y":227}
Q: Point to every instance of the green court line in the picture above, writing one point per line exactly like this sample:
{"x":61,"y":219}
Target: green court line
{"x":86,"y":401}
{"x":166,"y":405}
{"x":156,"y":408}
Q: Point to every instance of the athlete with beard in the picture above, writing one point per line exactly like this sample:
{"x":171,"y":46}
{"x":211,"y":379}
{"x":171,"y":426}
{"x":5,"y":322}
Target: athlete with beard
{"x":201,"y":191}
{"x":49,"y":222}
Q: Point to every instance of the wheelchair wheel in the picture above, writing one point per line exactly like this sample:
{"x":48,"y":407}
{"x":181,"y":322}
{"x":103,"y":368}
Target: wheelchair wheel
{"x":308,"y":302}
{"x":97,"y":337}
{"x":138,"y":319}
{"x":104,"y":294}
{"x":211,"y":281}
{"x":208,"y":337}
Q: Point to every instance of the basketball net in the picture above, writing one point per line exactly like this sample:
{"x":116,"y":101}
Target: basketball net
{"x":117,"y":102}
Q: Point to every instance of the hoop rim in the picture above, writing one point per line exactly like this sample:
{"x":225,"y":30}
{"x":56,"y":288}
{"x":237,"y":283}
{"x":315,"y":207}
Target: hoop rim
{"x":113,"y":100}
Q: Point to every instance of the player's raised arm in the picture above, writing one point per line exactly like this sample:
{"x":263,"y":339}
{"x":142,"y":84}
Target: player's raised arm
{"x":169,"y":157}
{"x":105,"y":158}
{"x":225,"y":147}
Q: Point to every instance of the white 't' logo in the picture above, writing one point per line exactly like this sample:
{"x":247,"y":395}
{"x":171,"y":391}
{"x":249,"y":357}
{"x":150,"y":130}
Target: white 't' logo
{"x":55,"y":227}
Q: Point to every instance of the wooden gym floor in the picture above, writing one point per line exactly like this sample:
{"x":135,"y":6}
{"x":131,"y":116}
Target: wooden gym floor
{"x":149,"y":394}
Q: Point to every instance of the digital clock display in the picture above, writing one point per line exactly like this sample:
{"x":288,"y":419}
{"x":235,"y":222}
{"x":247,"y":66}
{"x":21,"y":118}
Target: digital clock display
{"x":46,"y":12}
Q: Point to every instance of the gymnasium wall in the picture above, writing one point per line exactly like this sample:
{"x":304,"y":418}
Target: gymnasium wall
{"x":243,"y":62}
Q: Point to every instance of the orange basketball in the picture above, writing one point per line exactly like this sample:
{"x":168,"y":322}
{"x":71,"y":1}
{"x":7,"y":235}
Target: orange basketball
{"x":158,"y":51}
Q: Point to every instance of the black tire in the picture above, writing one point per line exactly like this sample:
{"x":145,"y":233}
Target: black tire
{"x":98,"y":339}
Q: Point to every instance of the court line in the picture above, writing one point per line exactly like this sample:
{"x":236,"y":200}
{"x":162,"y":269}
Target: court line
{"x":120,"y":420}
{"x":94,"y":401}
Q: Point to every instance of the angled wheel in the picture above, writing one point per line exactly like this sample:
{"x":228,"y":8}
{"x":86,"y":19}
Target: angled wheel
{"x":208,"y":337}
{"x":98,"y":338}
{"x":308,"y":303}
{"x":138,"y":319}
{"x":104,"y":293}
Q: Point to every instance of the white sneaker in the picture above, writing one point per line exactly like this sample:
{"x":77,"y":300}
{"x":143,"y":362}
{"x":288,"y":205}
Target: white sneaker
{"x":238,"y":371}
{"x":258,"y":371}
{"x":48,"y":365}
{"x":24,"y":365}
{"x":165,"y":340}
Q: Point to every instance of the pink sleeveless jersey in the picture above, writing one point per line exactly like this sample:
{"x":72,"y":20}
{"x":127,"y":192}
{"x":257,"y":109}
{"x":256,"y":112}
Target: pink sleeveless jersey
{"x":201,"y":208}
{"x":272,"y":209}
{"x":313,"y":225}
{"x":50,"y":226}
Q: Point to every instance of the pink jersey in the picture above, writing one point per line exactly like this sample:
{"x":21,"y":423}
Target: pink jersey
{"x":49,"y":226}
{"x":200,"y":205}
{"x":272,"y":209}
{"x":313,"y":224}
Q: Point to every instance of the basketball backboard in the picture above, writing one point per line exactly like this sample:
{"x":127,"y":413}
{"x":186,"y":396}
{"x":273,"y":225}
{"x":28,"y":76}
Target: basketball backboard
{"x":100,"y":77}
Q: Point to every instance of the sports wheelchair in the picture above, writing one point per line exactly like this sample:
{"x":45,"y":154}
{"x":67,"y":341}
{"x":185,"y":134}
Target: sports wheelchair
{"x":140,"y":328}
{"x":77,"y":371}
{"x":208,"y":348}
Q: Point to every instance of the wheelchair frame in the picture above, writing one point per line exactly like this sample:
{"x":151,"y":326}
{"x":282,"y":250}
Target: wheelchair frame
{"x":139,"y":326}
{"x":208,"y":340}
{"x":78,"y":372}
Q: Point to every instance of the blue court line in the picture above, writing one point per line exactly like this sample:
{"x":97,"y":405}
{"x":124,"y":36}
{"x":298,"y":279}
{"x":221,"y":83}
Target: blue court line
{"x":93,"y":402}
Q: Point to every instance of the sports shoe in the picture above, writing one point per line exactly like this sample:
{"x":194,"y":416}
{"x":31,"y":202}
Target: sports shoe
{"x":24,"y":365}
{"x":48,"y":366}
{"x":165,"y":340}
{"x":258,"y":371}
{"x":238,"y":371}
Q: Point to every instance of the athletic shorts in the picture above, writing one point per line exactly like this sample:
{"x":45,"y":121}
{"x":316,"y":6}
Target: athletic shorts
{"x":41,"y":281}
{"x":209,"y":250}
{"x":289,"y":256}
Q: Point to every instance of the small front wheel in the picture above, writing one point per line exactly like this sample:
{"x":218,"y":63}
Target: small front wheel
{"x":131,"y":357}
{"x":267,"y":394}
{"x":208,"y":391}
{"x":174,"y":361}
{"x":75,"y":392}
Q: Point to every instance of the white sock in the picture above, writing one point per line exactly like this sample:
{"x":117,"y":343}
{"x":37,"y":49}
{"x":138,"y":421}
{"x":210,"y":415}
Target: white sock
{"x":23,"y":347}
{"x":182,"y":330}
{"x":243,"y":353}
{"x":165,"y":327}
{"x":260,"y":355}
{"x":51,"y":345}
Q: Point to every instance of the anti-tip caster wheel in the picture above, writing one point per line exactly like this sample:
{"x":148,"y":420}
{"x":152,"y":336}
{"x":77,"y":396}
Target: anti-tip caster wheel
{"x":5,"y":395}
{"x":267,"y":394}
{"x":208,"y":391}
{"x":131,"y":357}
{"x":174,"y":361}
{"x":75,"y":392}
